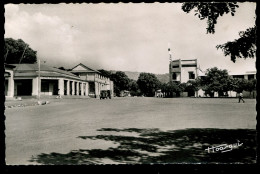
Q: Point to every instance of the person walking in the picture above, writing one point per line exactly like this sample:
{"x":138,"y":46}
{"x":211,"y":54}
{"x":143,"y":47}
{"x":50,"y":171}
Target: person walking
{"x":59,"y":95}
{"x":241,"y":97}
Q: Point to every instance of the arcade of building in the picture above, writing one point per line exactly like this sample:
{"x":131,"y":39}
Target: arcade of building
{"x":44,"y":80}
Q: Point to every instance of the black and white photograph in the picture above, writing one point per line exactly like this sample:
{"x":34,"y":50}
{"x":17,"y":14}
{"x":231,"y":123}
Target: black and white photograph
{"x":130,"y":83}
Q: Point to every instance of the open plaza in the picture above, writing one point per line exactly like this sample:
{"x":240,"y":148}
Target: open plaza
{"x":93,"y":83}
{"x":127,"y":130}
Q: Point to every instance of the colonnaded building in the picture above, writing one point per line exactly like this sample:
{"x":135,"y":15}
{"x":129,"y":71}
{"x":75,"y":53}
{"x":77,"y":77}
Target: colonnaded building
{"x":44,"y":80}
{"x":182,"y":71}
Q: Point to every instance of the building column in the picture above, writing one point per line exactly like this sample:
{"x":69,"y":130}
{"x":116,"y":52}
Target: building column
{"x":68,"y":87}
{"x":82,"y":89}
{"x":111,"y":88}
{"x":77,"y":86}
{"x":10,"y":91}
{"x":86,"y":89}
{"x":96,"y":89}
{"x":35,"y":86}
{"x":73,"y":88}
{"x":61,"y":86}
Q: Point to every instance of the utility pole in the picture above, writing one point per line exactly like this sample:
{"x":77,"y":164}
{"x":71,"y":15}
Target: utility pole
{"x":6,"y":54}
{"x":170,"y":62}
{"x":39,"y":80}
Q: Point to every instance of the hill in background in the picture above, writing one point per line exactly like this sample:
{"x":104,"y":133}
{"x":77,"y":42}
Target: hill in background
{"x":164,"y":78}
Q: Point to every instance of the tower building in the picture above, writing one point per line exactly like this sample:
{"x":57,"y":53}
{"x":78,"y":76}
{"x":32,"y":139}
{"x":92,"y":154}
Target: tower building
{"x":183,"y":70}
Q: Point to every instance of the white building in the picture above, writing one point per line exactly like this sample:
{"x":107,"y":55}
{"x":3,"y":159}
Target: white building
{"x":246,"y":75}
{"x":27,"y":80}
{"x":9,"y":81}
{"x":183,"y":70}
{"x":96,"y":81}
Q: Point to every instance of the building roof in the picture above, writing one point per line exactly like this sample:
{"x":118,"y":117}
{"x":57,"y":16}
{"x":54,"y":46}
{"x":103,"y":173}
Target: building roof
{"x":84,"y":68}
{"x":45,"y":70}
{"x":9,"y":66}
{"x":243,"y":73}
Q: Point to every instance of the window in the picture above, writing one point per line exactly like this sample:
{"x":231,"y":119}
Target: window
{"x":191,"y":75}
{"x":174,"y":76}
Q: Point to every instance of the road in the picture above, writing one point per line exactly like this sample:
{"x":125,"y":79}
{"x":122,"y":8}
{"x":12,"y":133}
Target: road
{"x":55,"y":127}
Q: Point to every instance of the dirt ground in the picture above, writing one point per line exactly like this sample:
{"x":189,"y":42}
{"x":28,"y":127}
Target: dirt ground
{"x":130,"y":130}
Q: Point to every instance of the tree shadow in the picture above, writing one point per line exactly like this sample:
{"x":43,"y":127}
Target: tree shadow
{"x":156,"y":146}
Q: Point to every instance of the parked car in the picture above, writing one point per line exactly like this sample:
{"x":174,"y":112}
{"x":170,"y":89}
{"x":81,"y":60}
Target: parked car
{"x":104,"y":94}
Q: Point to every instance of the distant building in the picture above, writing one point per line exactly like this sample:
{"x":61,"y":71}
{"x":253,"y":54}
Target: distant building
{"x":247,"y":75}
{"x":96,"y":81}
{"x":183,"y":70}
{"x":23,"y":79}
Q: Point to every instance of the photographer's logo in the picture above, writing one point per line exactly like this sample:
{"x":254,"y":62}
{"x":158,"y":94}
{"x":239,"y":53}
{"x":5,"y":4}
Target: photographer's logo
{"x":223,"y":147}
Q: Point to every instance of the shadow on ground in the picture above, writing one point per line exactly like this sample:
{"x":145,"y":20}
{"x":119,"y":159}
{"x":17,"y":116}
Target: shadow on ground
{"x":148,"y":146}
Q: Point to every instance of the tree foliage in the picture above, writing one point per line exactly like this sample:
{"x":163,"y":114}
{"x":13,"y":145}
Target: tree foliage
{"x":173,"y":87}
{"x":192,"y":85}
{"x":245,"y":46}
{"x":134,"y":88}
{"x":250,"y":85}
{"x":240,"y":85}
{"x":176,"y":87}
{"x":14,"y":50}
{"x":210,"y":11}
{"x":121,"y":82}
{"x":148,"y":84}
{"x":105,"y":73}
{"x":216,"y":80}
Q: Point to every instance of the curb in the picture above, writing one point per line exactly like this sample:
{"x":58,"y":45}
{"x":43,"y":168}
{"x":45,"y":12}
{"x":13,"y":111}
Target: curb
{"x":32,"y":104}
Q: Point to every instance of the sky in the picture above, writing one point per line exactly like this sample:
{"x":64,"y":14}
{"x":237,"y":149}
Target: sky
{"x":126,"y":37}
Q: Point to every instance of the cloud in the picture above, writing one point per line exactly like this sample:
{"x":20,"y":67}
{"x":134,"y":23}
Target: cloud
{"x":130,"y":37}
{"x":50,"y":36}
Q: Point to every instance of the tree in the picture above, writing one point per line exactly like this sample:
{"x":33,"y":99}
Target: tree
{"x":17,"y":51}
{"x":216,"y":80}
{"x":192,"y":86}
{"x":62,"y":68}
{"x":176,"y":87}
{"x":251,"y":86}
{"x":121,"y":82}
{"x":238,"y":85}
{"x":148,"y":83}
{"x":105,"y":73}
{"x":133,"y":88}
{"x":164,"y":88}
{"x":244,"y":47}
{"x":210,"y":11}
